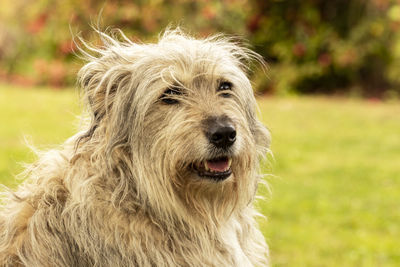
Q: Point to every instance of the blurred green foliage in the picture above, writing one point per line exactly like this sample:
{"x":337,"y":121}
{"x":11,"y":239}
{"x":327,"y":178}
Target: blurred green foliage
{"x":312,"y":46}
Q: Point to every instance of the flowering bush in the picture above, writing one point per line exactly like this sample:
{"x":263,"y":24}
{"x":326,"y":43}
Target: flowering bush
{"x":311,"y":46}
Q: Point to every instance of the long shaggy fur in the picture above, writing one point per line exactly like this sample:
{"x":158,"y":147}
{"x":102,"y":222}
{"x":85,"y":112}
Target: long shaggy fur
{"x":121,"y":192}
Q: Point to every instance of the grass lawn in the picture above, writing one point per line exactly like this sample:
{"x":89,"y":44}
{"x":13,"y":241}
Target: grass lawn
{"x":336,"y":186}
{"x":336,"y":195}
{"x":42,"y":116}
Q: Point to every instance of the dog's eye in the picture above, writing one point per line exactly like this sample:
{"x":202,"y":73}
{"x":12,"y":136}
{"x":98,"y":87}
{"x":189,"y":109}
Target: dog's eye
{"x":223,"y":87}
{"x":169,"y":95}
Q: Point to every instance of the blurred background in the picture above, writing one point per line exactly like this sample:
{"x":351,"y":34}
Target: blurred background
{"x":330,"y":99}
{"x":313,"y":46}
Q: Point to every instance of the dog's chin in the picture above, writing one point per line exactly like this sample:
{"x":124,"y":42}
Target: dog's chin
{"x":214,"y":169}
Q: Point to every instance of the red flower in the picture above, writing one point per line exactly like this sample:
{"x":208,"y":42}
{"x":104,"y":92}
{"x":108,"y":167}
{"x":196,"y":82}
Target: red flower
{"x":37,"y":24}
{"x":324,"y":59}
{"x":299,"y":50}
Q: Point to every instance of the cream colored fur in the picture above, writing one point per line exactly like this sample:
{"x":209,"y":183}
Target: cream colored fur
{"x":121,"y":192}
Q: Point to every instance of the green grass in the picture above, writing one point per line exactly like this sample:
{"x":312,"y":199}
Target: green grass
{"x":43,"y":117}
{"x":336,"y":187}
{"x":336,"y":195}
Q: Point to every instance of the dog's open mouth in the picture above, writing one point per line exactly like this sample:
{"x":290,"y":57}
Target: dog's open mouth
{"x":217,"y":168}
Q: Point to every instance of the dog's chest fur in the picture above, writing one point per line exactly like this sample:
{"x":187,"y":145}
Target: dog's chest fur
{"x":140,"y":241}
{"x":221,"y":249}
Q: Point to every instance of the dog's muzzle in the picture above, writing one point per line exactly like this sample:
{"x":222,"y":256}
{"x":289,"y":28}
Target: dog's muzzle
{"x":221,"y":135}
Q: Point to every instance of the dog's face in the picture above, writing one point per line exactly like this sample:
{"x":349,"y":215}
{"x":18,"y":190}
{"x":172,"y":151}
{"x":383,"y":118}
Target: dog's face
{"x":186,"y":110}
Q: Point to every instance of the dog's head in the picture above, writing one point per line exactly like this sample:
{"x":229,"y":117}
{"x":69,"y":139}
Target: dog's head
{"x":181,"y":115}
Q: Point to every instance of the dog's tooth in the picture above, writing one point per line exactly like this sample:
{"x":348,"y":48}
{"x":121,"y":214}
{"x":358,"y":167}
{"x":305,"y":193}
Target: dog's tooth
{"x":229,"y":165}
{"x":206,"y":166}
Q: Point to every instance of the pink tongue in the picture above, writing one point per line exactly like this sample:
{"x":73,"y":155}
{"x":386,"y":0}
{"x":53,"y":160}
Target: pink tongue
{"x":219,"y":165}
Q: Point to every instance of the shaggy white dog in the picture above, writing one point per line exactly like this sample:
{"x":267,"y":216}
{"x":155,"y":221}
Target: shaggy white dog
{"x":165,"y":173}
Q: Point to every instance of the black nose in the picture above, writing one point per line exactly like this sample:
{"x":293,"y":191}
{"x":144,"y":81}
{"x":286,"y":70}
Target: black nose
{"x":221,"y":133}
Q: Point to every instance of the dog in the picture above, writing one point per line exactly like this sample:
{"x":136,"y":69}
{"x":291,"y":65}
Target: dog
{"x":165,"y":171}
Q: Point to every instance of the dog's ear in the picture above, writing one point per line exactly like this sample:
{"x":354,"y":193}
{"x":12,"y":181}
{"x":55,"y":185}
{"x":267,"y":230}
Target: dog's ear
{"x":100,"y":84}
{"x":106,"y":71}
